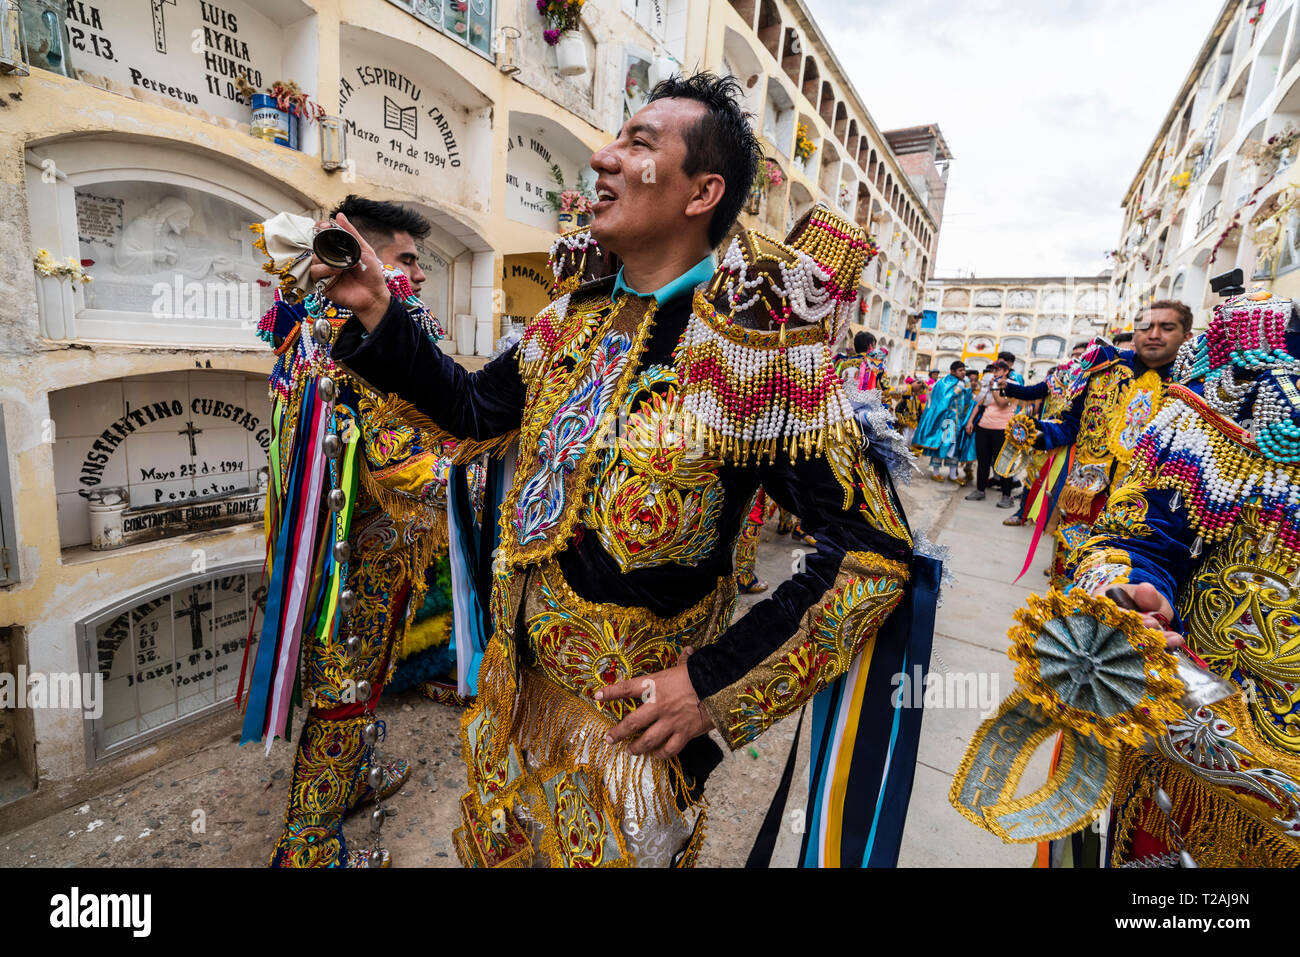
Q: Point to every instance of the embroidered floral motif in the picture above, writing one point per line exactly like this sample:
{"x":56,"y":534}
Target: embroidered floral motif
{"x":564,"y":440}
{"x":581,"y":824}
{"x":658,"y":498}
{"x":584,"y":647}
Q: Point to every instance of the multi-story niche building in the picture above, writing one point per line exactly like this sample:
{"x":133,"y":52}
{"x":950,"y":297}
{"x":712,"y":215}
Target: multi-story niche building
{"x":1216,"y":187}
{"x":1038,"y":319}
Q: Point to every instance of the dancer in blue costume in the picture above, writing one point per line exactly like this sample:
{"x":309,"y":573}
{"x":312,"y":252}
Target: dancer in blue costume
{"x":939,"y":433}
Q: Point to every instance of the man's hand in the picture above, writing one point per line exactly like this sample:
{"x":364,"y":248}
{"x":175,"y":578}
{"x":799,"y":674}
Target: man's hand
{"x":970,"y":428}
{"x":1151,"y":605}
{"x":362,"y":288}
{"x":670,"y":713}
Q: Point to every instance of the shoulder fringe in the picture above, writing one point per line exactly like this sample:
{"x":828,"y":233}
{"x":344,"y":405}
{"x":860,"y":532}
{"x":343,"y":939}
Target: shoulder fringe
{"x":467,"y":450}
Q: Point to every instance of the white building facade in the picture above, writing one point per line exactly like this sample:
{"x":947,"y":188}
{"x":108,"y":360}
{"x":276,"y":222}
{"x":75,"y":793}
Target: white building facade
{"x":1215,"y":190}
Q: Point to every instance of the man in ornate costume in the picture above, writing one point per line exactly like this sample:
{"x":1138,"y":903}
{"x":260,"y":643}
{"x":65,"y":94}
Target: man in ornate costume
{"x":341,"y":580}
{"x":1204,"y":533}
{"x":649,"y":405}
{"x":939,"y":433}
{"x":1102,"y":402}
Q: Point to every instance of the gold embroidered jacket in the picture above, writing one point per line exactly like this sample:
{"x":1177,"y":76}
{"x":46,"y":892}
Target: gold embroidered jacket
{"x":612,"y":506}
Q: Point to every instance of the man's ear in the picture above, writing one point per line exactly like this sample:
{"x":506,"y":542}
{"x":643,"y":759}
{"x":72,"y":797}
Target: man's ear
{"x":709,"y":189}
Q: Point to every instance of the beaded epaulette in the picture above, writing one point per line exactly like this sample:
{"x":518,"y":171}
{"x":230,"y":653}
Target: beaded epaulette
{"x":1218,"y":474}
{"x":1247,"y":374}
{"x":755,"y":364}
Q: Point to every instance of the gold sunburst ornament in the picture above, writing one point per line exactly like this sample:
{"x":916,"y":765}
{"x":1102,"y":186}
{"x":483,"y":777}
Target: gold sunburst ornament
{"x":1090,"y":671}
{"x":1094,"y":666}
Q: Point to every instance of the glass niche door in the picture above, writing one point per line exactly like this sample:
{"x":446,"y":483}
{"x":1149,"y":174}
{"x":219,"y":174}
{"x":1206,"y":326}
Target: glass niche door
{"x":169,"y":656}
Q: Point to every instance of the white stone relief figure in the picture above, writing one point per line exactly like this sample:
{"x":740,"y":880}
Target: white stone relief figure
{"x":155,"y":243}
{"x":1291,"y":241}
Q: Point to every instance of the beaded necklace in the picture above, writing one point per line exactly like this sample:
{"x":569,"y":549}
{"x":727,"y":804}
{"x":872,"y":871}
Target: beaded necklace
{"x":1246,"y":369}
{"x":1219,"y":477}
{"x":754,"y":363}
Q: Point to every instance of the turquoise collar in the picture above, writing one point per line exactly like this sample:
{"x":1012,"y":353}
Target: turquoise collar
{"x":702,"y":271}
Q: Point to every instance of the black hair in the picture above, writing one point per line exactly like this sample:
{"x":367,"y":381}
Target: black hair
{"x":378,"y":221}
{"x":721,"y":142}
{"x":1008,"y":357}
{"x":1123,"y":338}
{"x":864,"y":342}
{"x":1079,"y":345}
{"x":956,"y":365}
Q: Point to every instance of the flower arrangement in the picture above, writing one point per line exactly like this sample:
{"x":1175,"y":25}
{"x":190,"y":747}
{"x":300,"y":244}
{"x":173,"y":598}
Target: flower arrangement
{"x":573,"y":201}
{"x":766,"y":176}
{"x":46,"y":265}
{"x":567,"y":199}
{"x":459,"y":11}
{"x":1180,"y":181}
{"x":803,"y":146}
{"x":1269,"y":151}
{"x":773,"y":172}
{"x":845,"y":196}
{"x":289,"y":97}
{"x":561,"y":16}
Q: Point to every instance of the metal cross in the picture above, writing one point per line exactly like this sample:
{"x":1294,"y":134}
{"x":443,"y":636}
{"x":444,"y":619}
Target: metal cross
{"x":191,"y":431}
{"x":193,"y":611}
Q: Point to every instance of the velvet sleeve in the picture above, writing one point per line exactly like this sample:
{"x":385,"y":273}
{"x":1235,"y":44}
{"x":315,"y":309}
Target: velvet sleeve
{"x":1138,"y":537}
{"x":1027,"y":393}
{"x":399,"y":358}
{"x":791,"y":645}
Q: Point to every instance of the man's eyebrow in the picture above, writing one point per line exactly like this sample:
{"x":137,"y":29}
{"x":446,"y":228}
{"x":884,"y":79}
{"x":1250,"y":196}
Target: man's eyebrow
{"x":642,"y":127}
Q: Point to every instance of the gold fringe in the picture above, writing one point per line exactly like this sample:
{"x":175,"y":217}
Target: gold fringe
{"x":467,"y":450}
{"x":404,"y":508}
{"x":547,"y":719}
{"x":544,"y":719}
{"x":1075,"y":501}
{"x":810,"y":444}
{"x":430,"y":633}
{"x":1216,"y":831}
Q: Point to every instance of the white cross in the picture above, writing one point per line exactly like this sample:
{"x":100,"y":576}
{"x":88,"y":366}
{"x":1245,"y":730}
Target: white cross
{"x":159,"y":36}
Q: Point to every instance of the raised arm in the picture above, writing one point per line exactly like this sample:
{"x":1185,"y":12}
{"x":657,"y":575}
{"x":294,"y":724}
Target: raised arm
{"x":398,"y":358}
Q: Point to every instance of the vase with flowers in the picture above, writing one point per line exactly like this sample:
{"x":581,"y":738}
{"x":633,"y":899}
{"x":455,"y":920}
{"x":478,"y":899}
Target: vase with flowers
{"x":803,"y":146}
{"x":278,"y":111}
{"x":572,"y":204}
{"x":563,"y":31}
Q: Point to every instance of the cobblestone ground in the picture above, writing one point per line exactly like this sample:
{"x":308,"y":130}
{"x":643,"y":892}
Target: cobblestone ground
{"x":223,"y":805}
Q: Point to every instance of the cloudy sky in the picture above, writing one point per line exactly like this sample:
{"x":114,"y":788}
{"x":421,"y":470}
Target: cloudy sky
{"x":1048,"y":107}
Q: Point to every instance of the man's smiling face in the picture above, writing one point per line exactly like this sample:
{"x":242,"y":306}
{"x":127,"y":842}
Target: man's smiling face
{"x":641,"y":189}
